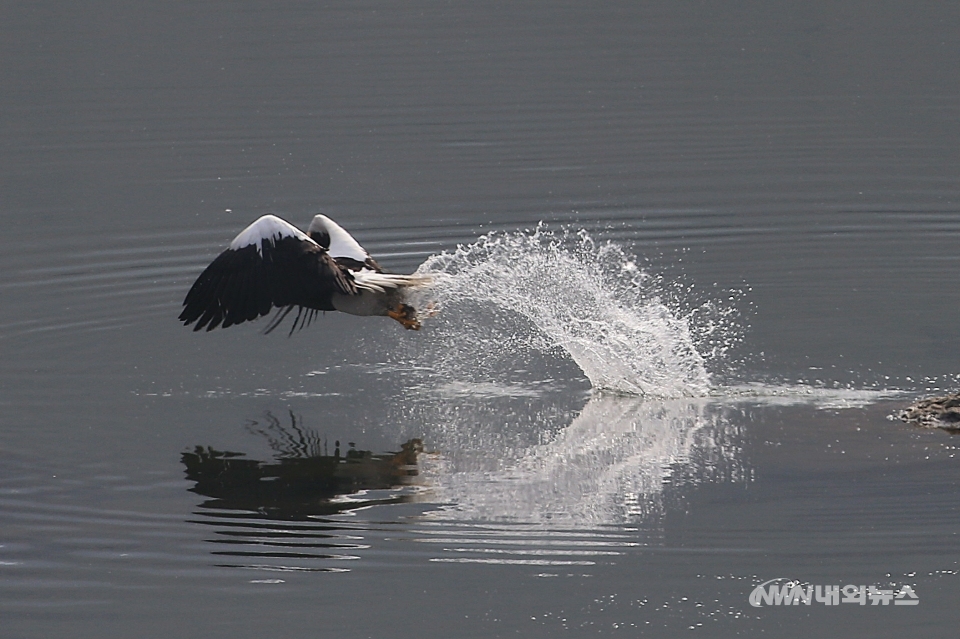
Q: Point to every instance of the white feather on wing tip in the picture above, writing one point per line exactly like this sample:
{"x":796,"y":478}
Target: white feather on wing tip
{"x":268,"y":228}
{"x":342,"y":243}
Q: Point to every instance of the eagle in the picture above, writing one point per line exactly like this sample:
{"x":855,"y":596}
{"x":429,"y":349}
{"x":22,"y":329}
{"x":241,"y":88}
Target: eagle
{"x":272,"y":264}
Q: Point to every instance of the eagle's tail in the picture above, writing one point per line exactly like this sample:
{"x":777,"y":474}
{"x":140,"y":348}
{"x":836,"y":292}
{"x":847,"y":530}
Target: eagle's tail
{"x":382,"y":282}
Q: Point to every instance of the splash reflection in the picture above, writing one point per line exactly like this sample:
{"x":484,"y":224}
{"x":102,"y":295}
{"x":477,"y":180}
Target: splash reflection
{"x":523,"y":478}
{"x":619,"y":461}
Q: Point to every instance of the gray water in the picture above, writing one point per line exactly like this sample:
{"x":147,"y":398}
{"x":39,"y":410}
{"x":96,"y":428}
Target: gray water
{"x":757,"y":206}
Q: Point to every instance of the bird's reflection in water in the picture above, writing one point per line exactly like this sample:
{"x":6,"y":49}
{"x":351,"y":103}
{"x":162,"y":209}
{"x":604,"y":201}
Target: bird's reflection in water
{"x":276,"y":514}
{"x":518,"y":477}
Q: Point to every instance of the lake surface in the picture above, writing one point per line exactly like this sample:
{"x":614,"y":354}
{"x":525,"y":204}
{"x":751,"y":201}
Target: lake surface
{"x":619,"y":422}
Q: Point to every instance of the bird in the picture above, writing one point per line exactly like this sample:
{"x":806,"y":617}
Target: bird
{"x":272,"y":264}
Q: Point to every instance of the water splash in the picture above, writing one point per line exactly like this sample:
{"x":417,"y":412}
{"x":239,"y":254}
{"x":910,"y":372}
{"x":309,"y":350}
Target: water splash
{"x":510,"y":299}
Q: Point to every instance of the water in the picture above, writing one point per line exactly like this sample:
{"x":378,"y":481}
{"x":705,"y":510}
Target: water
{"x":588,"y":301}
{"x":692,"y":259}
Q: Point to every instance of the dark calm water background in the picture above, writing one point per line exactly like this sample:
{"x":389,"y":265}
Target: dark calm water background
{"x":792,"y":164}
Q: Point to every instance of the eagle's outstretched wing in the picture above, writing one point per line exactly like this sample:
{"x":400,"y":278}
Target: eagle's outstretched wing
{"x":270,"y":264}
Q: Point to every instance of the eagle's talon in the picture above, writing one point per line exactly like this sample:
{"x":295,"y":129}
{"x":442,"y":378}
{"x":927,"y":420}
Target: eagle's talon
{"x":406,"y":315}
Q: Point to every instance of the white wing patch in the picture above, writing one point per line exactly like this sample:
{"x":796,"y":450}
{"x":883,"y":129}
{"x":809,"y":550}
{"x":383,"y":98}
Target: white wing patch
{"x":342,"y":243}
{"x":267,"y":228}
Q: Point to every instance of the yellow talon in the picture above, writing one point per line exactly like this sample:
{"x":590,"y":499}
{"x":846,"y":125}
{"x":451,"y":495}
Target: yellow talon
{"x":406,"y":315}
